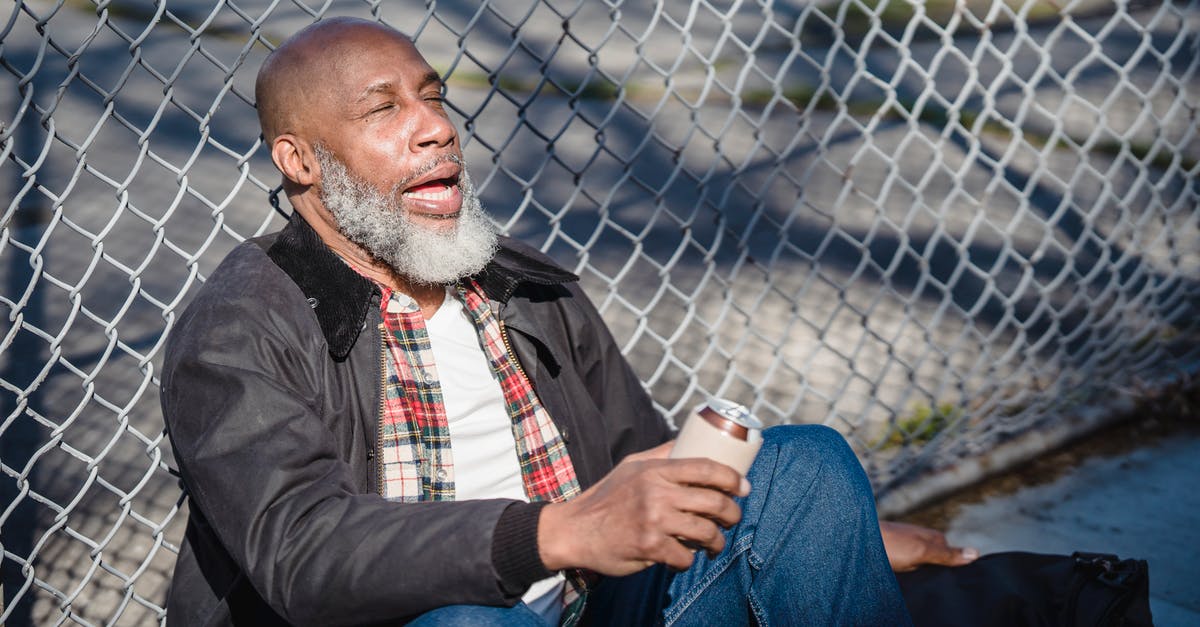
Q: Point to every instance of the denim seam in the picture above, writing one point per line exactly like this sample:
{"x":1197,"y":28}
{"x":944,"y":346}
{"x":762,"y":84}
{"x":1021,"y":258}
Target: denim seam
{"x":743,"y":544}
{"x":760,"y":615}
{"x":757,"y":561}
{"x":715,"y":571}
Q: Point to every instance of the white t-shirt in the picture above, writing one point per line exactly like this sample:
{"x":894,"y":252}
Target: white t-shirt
{"x":481,"y":438}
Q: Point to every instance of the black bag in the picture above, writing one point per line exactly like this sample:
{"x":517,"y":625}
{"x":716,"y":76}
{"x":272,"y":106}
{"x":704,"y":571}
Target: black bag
{"x":1028,"y":589}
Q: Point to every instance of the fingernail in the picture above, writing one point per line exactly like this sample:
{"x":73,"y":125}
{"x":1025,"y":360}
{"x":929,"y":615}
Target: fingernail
{"x":970,"y":553}
{"x":745,"y":487}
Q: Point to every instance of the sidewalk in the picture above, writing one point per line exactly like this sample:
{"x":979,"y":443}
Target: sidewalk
{"x":1141,"y":502}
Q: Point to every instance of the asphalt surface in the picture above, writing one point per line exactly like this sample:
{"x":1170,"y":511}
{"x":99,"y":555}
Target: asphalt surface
{"x":1122,"y":492}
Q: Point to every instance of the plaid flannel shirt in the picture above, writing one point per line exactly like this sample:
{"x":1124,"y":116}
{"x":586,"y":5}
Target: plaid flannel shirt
{"x":416,"y":456}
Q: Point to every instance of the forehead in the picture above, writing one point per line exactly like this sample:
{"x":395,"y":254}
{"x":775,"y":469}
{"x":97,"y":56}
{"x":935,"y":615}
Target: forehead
{"x":368,"y":58}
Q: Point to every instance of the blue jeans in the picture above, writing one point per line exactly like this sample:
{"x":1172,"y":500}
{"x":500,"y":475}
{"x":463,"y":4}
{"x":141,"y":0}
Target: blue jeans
{"x":807,"y":551}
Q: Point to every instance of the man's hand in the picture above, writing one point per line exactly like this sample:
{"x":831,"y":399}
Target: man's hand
{"x":640,"y":513}
{"x":909,"y":546}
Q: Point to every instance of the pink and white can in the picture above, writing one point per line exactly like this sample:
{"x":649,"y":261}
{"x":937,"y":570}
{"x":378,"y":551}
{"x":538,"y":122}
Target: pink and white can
{"x":722,"y":431}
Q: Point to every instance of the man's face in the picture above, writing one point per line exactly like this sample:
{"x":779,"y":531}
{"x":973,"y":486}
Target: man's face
{"x":391,"y":166}
{"x":381,"y":224}
{"x":384,"y":118}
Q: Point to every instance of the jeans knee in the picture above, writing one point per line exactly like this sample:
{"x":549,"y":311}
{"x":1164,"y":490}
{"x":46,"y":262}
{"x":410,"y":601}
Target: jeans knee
{"x":818,"y":447}
{"x":818,"y":440}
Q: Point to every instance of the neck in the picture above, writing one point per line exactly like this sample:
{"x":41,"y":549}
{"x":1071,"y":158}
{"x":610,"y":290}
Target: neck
{"x":429,"y":297}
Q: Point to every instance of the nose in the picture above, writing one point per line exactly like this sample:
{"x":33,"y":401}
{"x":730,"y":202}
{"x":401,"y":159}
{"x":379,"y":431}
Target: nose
{"x":433,"y":128}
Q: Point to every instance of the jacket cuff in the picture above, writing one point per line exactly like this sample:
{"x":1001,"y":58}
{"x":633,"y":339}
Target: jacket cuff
{"x":515,"y":555}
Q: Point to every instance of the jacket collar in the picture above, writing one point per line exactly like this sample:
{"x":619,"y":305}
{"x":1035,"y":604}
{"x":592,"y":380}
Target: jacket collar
{"x":342,"y":298}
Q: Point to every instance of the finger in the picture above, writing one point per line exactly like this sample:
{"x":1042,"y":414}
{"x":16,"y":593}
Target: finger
{"x":703,"y":472}
{"x":678,"y":556}
{"x":665,"y":547}
{"x":708,"y":503}
{"x":696,"y":532}
{"x":965,"y":555}
{"x":939,"y":552}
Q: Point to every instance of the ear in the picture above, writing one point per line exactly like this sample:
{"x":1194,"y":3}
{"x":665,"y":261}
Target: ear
{"x":295,"y":159}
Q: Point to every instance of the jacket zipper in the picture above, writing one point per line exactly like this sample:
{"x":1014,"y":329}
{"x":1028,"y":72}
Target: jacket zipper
{"x":511,"y":355}
{"x":382,"y":407}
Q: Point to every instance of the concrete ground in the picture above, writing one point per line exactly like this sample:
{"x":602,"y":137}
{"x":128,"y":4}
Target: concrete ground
{"x":1129,"y":491}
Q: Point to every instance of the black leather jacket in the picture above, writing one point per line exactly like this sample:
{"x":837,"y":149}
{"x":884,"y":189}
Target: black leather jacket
{"x":271,"y":395}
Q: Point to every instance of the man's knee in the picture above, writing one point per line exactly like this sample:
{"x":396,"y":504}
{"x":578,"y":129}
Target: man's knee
{"x":812,"y":440}
{"x":820,"y":449}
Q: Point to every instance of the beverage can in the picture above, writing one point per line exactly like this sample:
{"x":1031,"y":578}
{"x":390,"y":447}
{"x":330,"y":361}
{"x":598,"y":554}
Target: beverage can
{"x":723,"y":431}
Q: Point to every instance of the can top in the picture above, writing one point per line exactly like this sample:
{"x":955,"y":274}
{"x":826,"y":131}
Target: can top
{"x":735,"y":412}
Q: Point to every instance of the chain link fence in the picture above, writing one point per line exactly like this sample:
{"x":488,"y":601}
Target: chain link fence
{"x":937,"y":227}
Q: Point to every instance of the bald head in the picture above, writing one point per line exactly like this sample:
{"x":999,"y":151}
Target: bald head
{"x":355,"y":120}
{"x":298,"y":80}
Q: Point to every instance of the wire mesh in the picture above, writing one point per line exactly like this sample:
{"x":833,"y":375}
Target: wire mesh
{"x":934,"y":226}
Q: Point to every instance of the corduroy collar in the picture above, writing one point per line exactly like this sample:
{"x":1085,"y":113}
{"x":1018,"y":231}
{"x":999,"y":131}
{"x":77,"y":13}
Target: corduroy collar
{"x":341,"y":298}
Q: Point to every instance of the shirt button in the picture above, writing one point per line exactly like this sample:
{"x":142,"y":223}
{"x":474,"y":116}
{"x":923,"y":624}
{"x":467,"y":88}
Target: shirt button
{"x":441,"y":473}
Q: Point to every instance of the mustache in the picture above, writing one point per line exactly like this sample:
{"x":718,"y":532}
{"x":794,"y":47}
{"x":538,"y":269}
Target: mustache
{"x":327,"y":159}
{"x":426,"y":168}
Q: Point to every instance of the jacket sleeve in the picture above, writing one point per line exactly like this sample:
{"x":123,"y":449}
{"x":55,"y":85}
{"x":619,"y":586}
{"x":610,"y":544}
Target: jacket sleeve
{"x":240,"y":396}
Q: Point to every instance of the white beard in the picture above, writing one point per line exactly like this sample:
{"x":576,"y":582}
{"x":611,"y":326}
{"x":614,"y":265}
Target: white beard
{"x":381,"y":224}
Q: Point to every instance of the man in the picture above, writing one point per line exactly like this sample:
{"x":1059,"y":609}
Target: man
{"x":384,"y":412}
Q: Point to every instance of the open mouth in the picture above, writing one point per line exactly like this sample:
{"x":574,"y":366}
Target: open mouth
{"x":438,"y":185}
{"x":437,"y":189}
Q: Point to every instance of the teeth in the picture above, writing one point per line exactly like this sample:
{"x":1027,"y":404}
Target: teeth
{"x":428,"y":194}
